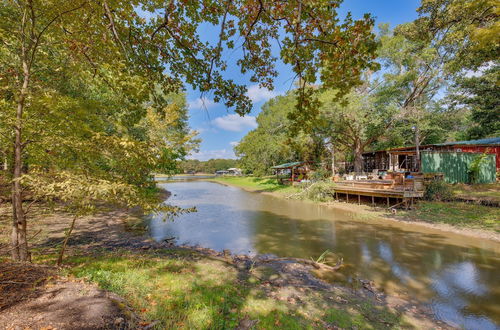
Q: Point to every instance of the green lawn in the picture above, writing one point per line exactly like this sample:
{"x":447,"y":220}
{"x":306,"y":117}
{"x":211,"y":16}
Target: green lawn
{"x":486,"y":191}
{"x":458,"y":214}
{"x":268,"y":184}
{"x":180,"y":289}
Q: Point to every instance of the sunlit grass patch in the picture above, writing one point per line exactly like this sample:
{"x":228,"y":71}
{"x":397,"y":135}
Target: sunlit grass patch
{"x":269,"y":184}
{"x":458,"y":214}
{"x":187,"y":290}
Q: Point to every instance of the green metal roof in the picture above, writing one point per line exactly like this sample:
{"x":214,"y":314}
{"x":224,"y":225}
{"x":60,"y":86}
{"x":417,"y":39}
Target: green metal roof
{"x":287,"y":165}
{"x":492,"y":141}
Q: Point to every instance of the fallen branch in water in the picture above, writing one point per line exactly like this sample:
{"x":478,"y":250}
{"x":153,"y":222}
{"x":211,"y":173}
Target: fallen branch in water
{"x":315,"y":264}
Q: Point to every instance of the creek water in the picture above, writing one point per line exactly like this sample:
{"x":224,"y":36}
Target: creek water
{"x":457,"y":276}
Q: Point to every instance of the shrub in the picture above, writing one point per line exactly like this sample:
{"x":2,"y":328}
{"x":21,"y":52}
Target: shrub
{"x":438,"y":190}
{"x":320,"y":191}
{"x":475,"y":168}
{"x":319,"y":174}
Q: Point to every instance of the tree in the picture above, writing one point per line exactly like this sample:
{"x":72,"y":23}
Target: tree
{"x":467,"y":29}
{"x":366,"y":116}
{"x":273,"y":142}
{"x":135,"y":54}
{"x":481,"y":96}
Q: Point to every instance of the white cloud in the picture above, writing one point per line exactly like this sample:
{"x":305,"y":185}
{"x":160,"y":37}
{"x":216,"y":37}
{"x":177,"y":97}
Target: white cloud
{"x":257,"y":94}
{"x":201,"y":103}
{"x":234,"y":143}
{"x":212,"y":154}
{"x":235,"y":123}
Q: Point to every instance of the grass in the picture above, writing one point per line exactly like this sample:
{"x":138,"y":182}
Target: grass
{"x":180,"y":289}
{"x":458,"y":214}
{"x":490,"y":190}
{"x":264,"y":184}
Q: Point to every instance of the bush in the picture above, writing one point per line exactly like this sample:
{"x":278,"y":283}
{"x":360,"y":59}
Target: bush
{"x":438,"y":190}
{"x":320,"y":191}
{"x":319,"y":174}
{"x":475,"y":167}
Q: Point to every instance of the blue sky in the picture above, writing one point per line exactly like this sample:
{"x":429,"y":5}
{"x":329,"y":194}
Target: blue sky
{"x":220,"y":129}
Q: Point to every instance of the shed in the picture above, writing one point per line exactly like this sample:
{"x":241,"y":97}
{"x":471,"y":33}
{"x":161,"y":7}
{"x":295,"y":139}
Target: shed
{"x":455,"y":165}
{"x":294,"y":168}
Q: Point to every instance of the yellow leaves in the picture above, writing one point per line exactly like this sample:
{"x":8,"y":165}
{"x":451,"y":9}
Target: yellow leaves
{"x":487,"y":37}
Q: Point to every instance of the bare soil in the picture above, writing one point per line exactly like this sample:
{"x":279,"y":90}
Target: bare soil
{"x":35,"y":297}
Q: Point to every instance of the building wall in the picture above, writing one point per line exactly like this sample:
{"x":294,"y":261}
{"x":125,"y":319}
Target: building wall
{"x":477,"y":149}
{"x":455,"y":166}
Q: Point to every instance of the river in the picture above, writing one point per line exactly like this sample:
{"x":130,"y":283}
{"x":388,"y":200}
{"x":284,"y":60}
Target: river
{"x":456,"y":276}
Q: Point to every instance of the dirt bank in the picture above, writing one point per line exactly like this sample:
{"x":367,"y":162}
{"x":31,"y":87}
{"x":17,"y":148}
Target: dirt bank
{"x":37,"y":297}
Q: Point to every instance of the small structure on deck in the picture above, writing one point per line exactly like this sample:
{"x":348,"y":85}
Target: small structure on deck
{"x":289,"y":173}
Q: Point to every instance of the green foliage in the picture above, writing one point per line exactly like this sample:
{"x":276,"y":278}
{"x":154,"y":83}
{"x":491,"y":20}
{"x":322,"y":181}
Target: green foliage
{"x":475,"y":167}
{"x":210,"y":166}
{"x":91,"y":88}
{"x":319,"y":174}
{"x":261,"y":184}
{"x":270,"y":143}
{"x":438,"y":190}
{"x":480,"y":96}
{"x":186,"y":290}
{"x":320,"y":191}
{"x":466,"y":29}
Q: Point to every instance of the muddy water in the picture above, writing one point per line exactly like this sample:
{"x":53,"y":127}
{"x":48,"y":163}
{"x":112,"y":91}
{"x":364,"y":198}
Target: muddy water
{"x":457,"y":276}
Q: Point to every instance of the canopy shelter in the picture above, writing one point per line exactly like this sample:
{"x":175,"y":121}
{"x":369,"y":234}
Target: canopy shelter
{"x":296,"y":170}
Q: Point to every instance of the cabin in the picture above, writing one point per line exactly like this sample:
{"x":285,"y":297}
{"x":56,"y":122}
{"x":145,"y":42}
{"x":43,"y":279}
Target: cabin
{"x":290,"y":173}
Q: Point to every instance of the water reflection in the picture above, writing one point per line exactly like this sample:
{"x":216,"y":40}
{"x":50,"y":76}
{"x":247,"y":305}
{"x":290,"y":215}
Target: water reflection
{"x":457,"y":275}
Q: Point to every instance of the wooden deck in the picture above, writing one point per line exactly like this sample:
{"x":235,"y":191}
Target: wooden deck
{"x":378,"y":188}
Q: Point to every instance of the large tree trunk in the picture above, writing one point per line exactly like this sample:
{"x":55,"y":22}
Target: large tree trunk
{"x":417,"y":148}
{"x":333,"y":159}
{"x":358,"y":157}
{"x":18,"y":238}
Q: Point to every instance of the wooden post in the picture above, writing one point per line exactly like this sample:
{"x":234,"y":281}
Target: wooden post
{"x":293,"y":174}
{"x":388,"y":202}
{"x":373,"y":201}
{"x":359,"y":199}
{"x":347,"y":197}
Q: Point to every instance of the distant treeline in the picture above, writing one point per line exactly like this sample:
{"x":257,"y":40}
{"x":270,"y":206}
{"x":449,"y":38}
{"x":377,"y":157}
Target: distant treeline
{"x":209,"y":166}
